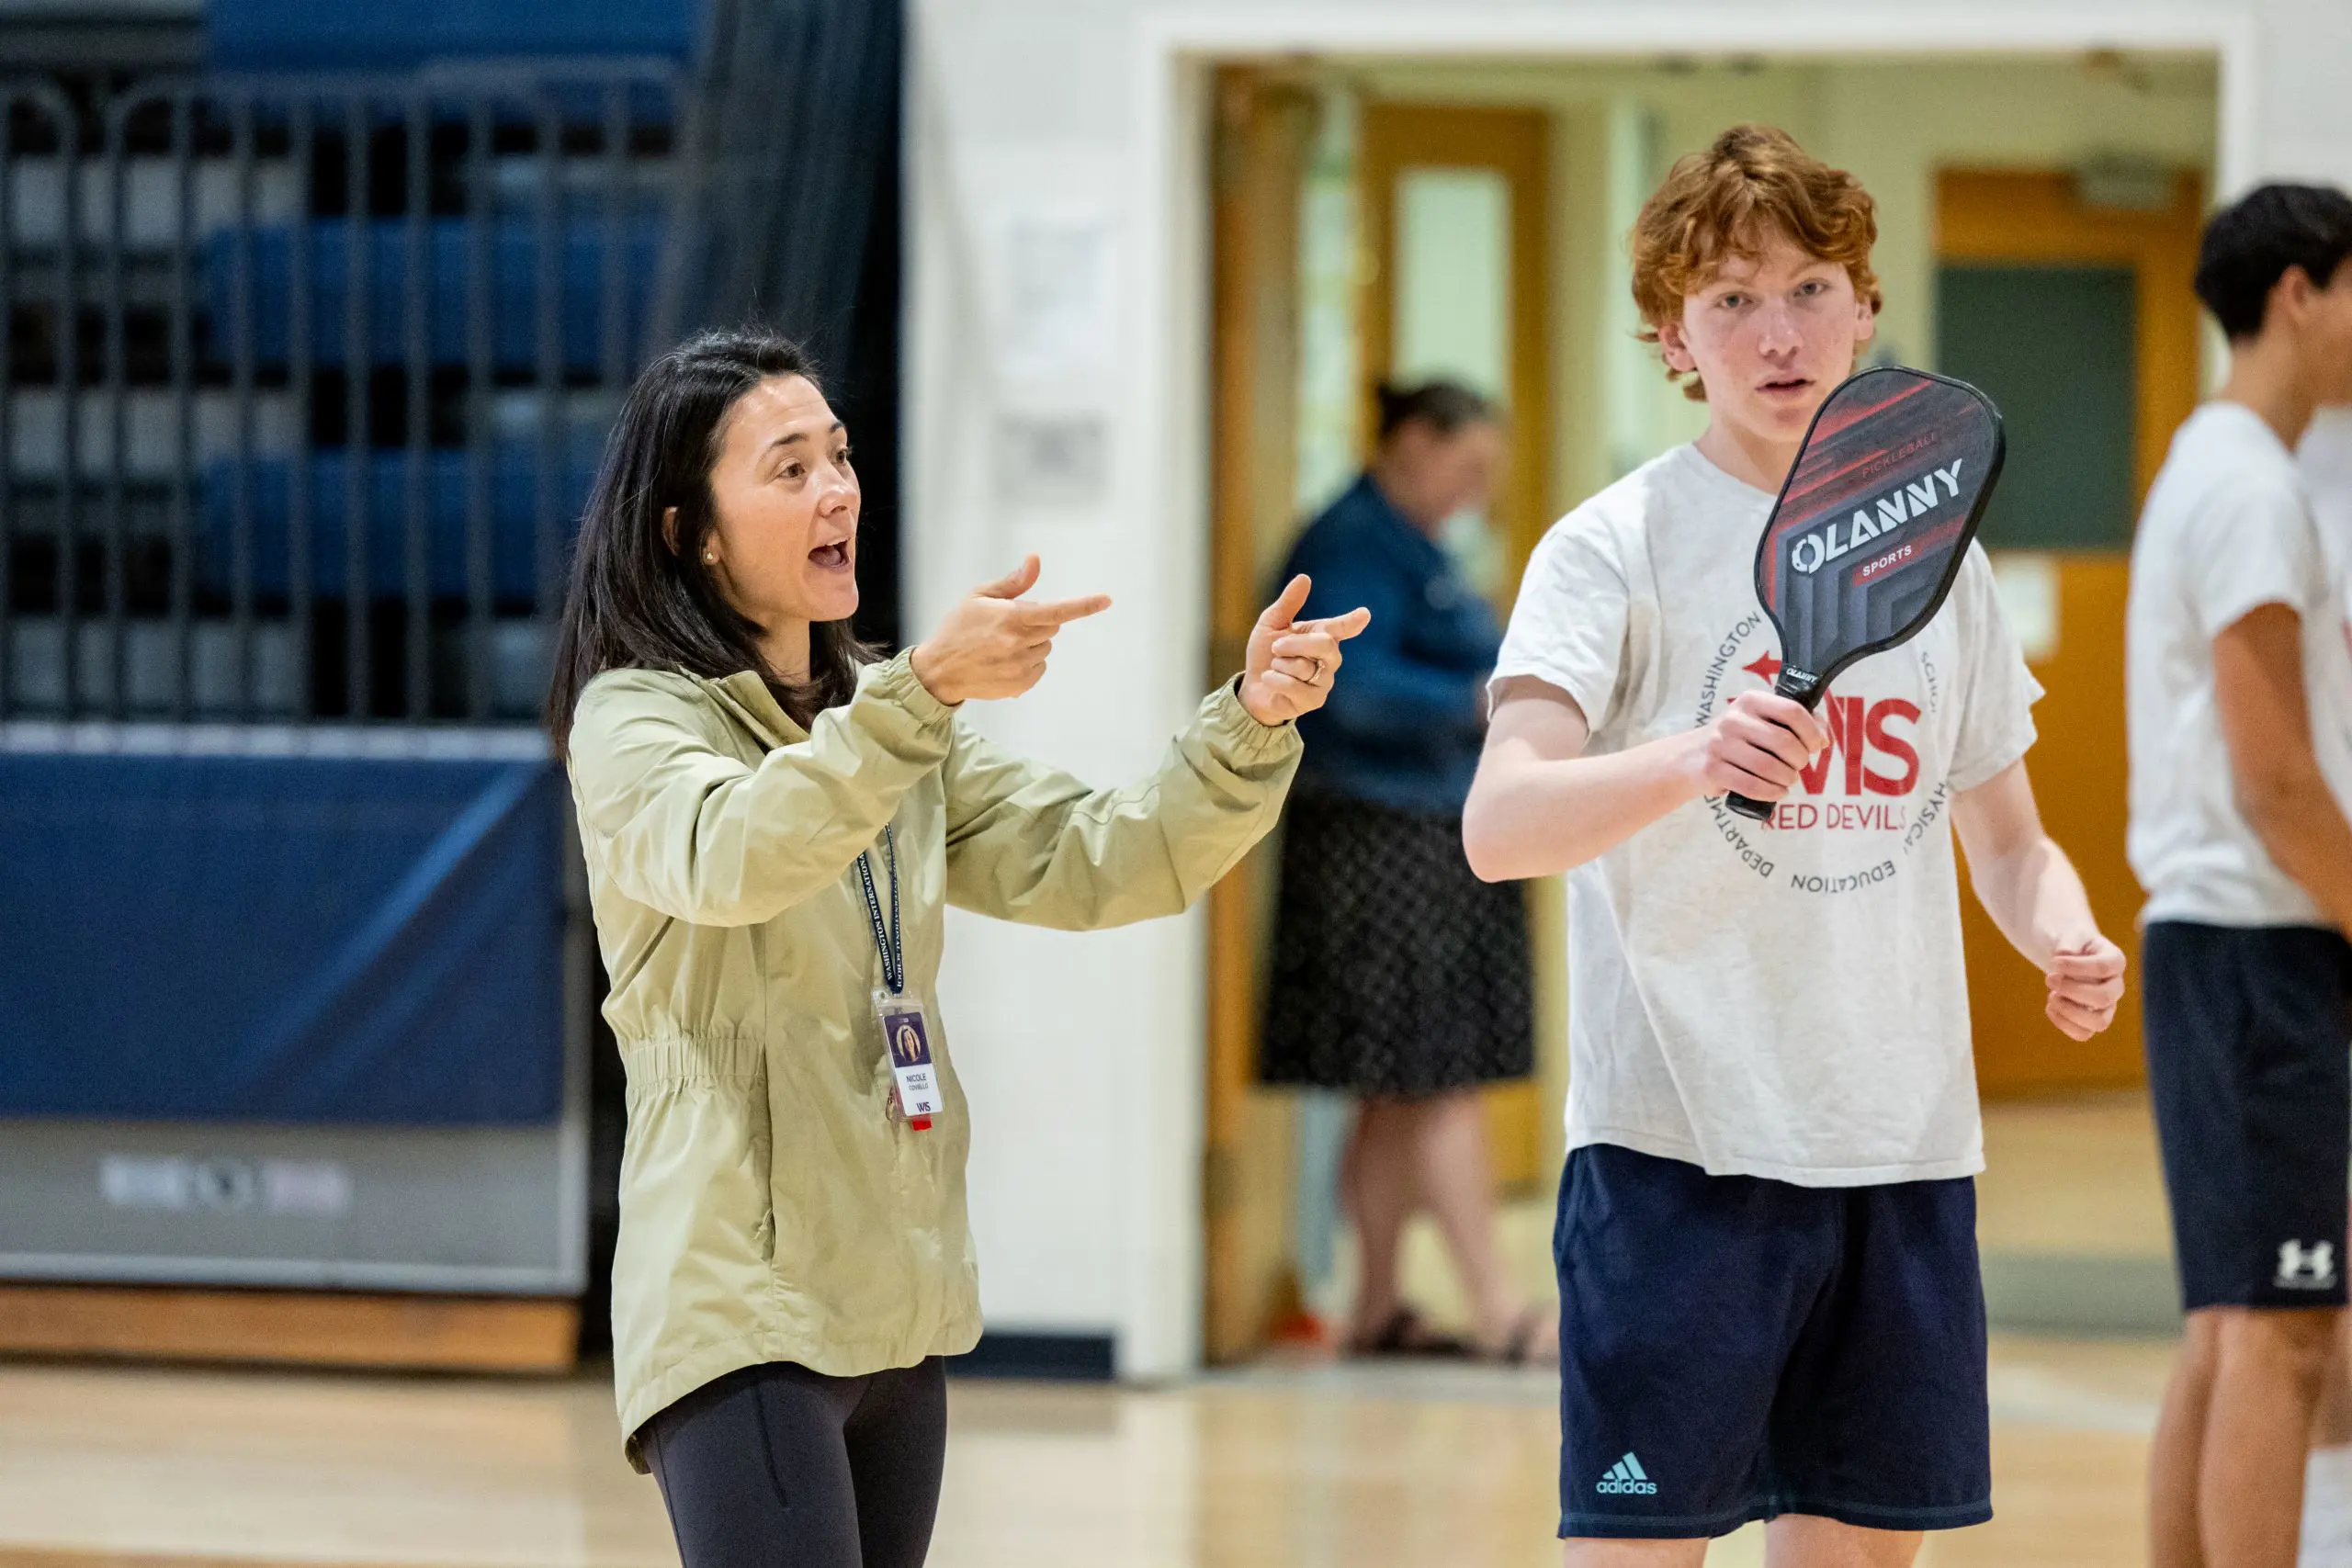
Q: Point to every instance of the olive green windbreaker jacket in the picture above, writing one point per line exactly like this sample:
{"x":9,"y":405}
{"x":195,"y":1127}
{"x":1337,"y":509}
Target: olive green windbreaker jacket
{"x":771,"y":1208}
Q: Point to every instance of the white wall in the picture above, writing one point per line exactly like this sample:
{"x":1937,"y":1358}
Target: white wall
{"x":1055,"y":127}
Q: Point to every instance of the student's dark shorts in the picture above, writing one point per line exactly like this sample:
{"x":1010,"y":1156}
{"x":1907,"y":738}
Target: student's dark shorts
{"x":1734,"y":1348}
{"x":2249,"y":1036}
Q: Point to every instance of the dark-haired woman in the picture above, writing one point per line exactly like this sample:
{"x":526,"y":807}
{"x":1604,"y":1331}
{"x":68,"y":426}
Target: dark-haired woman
{"x":774,"y":822}
{"x":1399,"y":977}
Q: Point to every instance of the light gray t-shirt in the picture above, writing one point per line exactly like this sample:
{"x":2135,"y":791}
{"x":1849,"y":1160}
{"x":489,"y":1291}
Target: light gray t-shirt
{"x":2227,"y":529}
{"x":2325,"y":459}
{"x":1788,"y":1000}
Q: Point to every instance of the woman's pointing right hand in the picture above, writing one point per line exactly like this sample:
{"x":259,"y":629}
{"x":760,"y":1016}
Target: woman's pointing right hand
{"x":994,"y":643}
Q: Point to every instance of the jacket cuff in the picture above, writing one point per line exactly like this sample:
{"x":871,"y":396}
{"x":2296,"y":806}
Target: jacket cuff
{"x":894,"y":678}
{"x":1232,"y":730}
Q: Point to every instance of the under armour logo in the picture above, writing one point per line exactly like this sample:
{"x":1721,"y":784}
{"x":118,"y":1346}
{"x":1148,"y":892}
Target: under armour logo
{"x":2304,"y":1268}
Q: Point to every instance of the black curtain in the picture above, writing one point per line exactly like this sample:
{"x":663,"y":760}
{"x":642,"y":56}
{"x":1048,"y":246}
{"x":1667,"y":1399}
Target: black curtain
{"x":793,"y":163}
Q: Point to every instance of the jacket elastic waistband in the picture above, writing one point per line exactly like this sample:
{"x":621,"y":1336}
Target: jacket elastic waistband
{"x":699,"y":1056}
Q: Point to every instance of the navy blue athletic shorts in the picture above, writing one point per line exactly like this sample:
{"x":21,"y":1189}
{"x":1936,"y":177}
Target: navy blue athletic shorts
{"x":1734,"y":1348}
{"x":2249,"y":1036}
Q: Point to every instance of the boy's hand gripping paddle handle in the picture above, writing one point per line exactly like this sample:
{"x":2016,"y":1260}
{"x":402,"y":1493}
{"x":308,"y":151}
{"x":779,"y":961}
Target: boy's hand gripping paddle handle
{"x":1807,"y":693}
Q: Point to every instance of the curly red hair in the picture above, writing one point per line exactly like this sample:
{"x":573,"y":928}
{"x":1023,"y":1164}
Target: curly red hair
{"x":1752,"y":182}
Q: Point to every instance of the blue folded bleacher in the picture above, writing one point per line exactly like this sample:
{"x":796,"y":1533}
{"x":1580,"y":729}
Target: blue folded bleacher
{"x":511,"y":286}
{"x":399,"y":35}
{"x":511,"y":517}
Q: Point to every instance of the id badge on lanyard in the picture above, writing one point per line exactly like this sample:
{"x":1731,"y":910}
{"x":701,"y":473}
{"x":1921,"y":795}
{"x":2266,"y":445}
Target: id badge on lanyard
{"x":905,"y":1028}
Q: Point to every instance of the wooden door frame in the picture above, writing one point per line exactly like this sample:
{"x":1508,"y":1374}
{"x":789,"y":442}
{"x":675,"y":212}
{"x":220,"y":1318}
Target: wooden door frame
{"x":2030,"y":217}
{"x":1515,"y":142}
{"x":2034,"y":216}
{"x":1258,"y":158}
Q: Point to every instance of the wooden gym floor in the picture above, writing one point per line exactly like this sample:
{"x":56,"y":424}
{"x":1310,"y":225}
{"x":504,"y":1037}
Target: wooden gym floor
{"x":1308,"y":1466}
{"x":1290,"y":1465}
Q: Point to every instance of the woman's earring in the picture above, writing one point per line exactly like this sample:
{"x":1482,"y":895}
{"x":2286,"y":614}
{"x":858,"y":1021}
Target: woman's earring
{"x":710,"y":558}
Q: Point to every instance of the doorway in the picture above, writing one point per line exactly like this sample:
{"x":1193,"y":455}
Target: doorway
{"x":1419,"y":250}
{"x":2070,"y":303}
{"x":1975,"y":208}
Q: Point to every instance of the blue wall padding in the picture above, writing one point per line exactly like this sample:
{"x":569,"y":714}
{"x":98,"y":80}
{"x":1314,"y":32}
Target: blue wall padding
{"x":280,"y":939}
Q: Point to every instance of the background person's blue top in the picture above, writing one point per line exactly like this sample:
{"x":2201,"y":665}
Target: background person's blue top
{"x":1402,"y":725}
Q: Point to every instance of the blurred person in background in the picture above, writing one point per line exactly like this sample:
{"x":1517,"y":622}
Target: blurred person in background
{"x":2239,"y":708}
{"x":1399,"y":977}
{"x":775,"y":819}
{"x":2324,"y":456}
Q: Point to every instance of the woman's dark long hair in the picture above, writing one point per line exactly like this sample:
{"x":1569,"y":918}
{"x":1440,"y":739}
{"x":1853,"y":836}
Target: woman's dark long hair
{"x":636,"y":603}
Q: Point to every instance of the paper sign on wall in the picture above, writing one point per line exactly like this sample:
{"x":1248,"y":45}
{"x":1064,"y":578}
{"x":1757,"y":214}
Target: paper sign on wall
{"x":1057,"y":314}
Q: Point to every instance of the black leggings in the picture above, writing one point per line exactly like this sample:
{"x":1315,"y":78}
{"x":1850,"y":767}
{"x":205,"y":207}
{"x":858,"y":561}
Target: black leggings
{"x":779,"y":1467}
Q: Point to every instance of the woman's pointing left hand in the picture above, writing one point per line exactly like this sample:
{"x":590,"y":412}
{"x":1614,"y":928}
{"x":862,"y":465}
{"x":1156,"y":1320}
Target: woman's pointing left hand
{"x":1291,"y":663}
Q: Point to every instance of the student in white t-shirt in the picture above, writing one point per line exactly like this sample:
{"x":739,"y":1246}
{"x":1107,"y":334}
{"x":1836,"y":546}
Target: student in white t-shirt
{"x":2240,"y":701}
{"x":1770,"y":1305}
{"x":2325,"y":457}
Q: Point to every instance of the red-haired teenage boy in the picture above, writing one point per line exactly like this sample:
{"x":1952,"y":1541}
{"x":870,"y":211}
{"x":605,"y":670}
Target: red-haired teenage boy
{"x":1770,"y":1305}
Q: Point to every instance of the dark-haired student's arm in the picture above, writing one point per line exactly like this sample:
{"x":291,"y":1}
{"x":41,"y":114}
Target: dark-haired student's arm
{"x":2266,"y":723}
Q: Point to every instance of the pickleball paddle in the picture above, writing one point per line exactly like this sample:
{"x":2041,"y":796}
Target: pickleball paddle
{"x":1872,"y":523}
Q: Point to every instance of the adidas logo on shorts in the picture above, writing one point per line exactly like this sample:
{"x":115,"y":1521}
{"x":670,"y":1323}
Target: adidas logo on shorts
{"x":1627,"y":1477}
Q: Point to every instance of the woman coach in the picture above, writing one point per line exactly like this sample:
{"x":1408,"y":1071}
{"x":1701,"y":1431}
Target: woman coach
{"x":774,"y":822}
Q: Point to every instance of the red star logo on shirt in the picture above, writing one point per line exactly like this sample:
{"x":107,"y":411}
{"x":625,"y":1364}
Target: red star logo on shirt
{"x":1767,"y":668}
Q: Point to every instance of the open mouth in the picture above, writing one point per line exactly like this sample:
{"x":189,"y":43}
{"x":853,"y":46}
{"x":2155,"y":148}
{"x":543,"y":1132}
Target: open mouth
{"x":832,"y":557}
{"x":1786,"y":386}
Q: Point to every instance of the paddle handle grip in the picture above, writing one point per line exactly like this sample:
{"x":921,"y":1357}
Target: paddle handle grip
{"x":1805,"y":691}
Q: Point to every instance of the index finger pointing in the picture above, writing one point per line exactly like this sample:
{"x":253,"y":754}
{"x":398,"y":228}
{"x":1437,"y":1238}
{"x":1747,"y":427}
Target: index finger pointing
{"x":1339,"y":627}
{"x":1061,"y":611}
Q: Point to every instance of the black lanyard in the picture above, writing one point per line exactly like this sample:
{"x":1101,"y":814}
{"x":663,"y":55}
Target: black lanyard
{"x":885,"y":938}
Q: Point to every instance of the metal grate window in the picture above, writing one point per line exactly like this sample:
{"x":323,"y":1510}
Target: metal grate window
{"x":304,"y":382}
